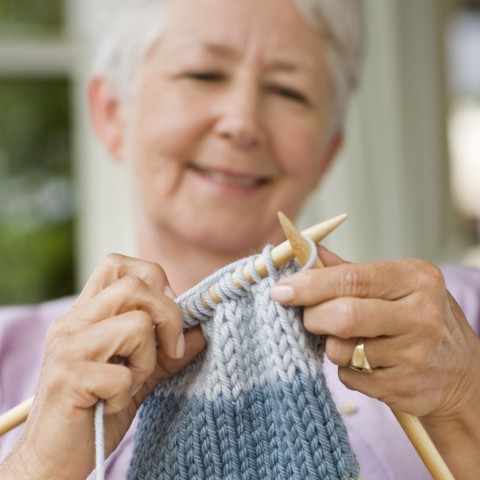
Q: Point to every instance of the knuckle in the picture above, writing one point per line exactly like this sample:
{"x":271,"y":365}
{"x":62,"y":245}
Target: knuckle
{"x":131,"y":283}
{"x":143,"y":325}
{"x":352,"y":281}
{"x":429,"y":322}
{"x":55,"y":337}
{"x":429,"y":276}
{"x":155,"y":273}
{"x":60,"y":373}
{"x":113,"y":259}
{"x":348,"y":317}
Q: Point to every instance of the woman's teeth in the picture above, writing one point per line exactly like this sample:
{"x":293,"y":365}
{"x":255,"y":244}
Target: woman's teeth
{"x":230,"y":179}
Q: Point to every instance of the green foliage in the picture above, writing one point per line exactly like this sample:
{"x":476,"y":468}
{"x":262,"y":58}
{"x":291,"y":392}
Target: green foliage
{"x":36,"y":263}
{"x":36,"y":194}
{"x":34,"y":126}
{"x":25,"y":17}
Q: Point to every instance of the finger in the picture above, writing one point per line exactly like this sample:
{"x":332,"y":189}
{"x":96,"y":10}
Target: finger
{"x":356,"y":317}
{"x":195,"y":342}
{"x":114,"y":384}
{"x":116,"y":266}
{"x":379,"y":351}
{"x":131,"y":293}
{"x":328,"y":257}
{"x":387,"y":280}
{"x":81,"y":383}
{"x":378,"y":384}
{"x":391,"y":386}
{"x":166,"y":367}
{"x":128,"y":336}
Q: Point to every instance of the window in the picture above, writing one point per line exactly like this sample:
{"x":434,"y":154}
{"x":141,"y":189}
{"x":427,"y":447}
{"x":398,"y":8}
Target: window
{"x":37,"y":213}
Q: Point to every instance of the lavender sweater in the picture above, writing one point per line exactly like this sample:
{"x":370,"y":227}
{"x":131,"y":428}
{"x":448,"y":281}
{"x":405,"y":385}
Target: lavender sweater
{"x":382,"y":449}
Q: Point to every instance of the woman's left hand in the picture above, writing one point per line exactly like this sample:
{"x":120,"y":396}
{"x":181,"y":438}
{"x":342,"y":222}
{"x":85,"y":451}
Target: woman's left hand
{"x":418,"y":342}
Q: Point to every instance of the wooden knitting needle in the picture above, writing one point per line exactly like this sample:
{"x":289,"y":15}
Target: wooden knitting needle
{"x":410,"y":424}
{"x":281,"y":254}
{"x":16,"y":416}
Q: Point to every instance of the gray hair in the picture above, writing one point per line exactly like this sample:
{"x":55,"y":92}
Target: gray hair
{"x":133,"y":26}
{"x":342,"y":22}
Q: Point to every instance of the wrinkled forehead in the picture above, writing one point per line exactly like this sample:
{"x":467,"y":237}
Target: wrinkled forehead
{"x":221,"y":15}
{"x":267,"y":32}
{"x":132,"y":27}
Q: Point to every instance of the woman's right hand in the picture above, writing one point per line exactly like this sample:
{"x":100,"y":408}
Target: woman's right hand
{"x":126,"y":311}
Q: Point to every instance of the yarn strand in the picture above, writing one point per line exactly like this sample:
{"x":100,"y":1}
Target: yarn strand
{"x":99,"y":441}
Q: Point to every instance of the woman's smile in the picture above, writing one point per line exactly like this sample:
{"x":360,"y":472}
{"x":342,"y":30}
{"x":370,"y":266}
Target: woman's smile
{"x":230,"y":180}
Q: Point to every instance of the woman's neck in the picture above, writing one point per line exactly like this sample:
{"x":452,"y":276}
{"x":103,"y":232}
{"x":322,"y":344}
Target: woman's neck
{"x":185,"y":264}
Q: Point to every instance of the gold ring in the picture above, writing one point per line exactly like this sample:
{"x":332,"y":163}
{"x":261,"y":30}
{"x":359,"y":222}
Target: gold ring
{"x":359,"y":361}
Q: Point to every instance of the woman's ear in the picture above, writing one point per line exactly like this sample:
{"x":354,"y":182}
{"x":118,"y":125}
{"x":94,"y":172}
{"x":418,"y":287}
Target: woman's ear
{"x":106,"y":116}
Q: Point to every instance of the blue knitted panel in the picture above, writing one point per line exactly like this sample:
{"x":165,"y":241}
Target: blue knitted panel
{"x":254,"y":405}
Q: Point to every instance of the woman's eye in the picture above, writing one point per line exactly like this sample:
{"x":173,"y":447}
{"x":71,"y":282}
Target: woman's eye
{"x":290,"y":94}
{"x":205,"y":76}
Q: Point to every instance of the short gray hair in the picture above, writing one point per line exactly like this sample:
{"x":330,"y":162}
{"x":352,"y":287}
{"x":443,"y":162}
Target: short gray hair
{"x":132,"y":26}
{"x":342,"y":22}
{"x":127,"y":30}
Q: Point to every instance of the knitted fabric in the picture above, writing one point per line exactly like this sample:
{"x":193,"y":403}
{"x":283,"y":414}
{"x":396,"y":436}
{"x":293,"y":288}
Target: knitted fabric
{"x":254,"y":404}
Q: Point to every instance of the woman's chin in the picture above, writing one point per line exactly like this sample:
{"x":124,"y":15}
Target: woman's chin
{"x":234,"y":240}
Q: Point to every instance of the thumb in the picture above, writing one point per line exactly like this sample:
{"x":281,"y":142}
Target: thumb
{"x":195,"y":342}
{"x":329,"y":258}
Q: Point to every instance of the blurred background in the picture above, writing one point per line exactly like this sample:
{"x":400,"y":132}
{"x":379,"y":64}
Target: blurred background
{"x":409,"y":175}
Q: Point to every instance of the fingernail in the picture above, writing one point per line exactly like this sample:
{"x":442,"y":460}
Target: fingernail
{"x":169,"y":292}
{"x":282,"y":293}
{"x":180,"y":350}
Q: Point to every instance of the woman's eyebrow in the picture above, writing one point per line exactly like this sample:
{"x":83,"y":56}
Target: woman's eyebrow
{"x":276,"y":65}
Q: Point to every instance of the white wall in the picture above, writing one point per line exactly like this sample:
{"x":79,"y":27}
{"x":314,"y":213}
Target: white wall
{"x":104,"y":215}
{"x":392,"y":177}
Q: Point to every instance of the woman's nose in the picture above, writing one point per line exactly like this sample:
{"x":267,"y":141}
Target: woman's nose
{"x":239,"y":120}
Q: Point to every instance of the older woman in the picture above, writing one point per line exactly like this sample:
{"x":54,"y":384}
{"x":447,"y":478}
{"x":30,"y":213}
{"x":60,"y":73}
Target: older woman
{"x":224,"y":112}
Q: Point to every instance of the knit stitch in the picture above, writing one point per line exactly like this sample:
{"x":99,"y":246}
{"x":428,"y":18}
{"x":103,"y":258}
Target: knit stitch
{"x":254,"y":404}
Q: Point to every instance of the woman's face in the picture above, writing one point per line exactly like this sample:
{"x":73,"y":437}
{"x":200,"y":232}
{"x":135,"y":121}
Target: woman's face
{"x":227,"y":121}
